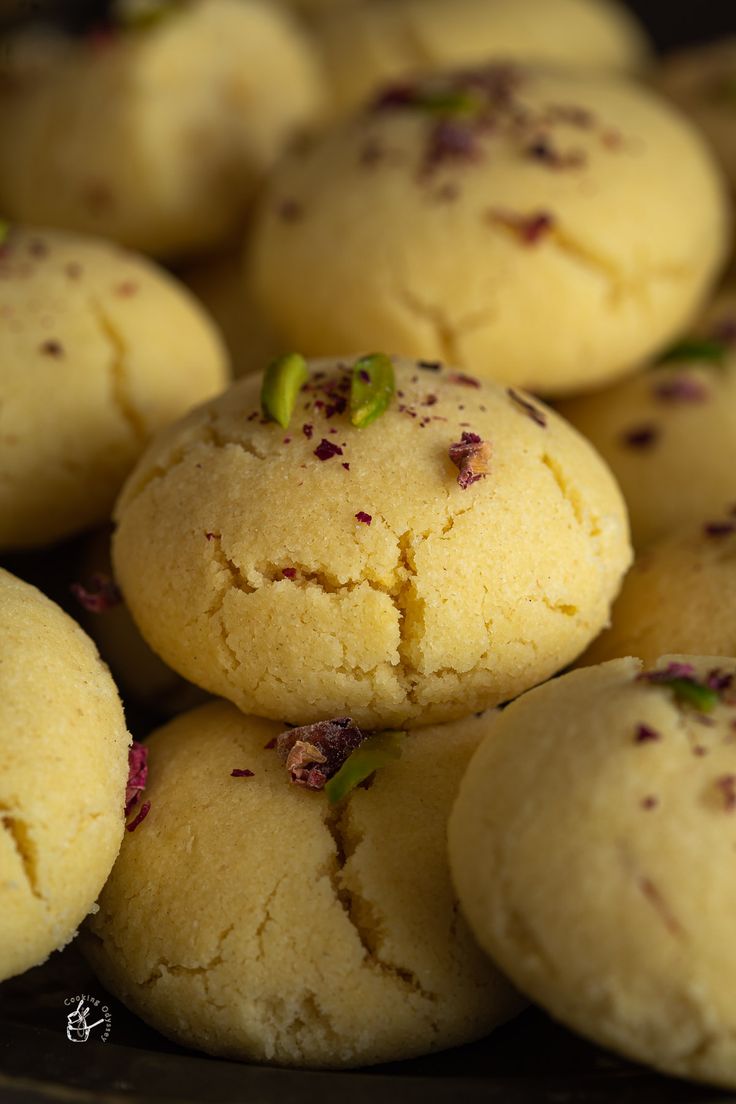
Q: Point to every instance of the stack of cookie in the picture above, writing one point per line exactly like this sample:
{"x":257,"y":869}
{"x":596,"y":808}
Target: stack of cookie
{"x":353,"y":556}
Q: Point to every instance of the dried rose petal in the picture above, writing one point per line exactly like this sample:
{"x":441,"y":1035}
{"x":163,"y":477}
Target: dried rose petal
{"x":325,"y":450}
{"x":237,"y":773}
{"x":532,"y":411}
{"x":137,"y":774}
{"x":719,"y":680}
{"x":463,"y":379}
{"x":430,"y":365}
{"x":650,"y":802}
{"x":363,"y":517}
{"x":99,"y":595}
{"x":52,"y":348}
{"x":645,"y":734}
{"x":727,"y":785}
{"x":314,"y":753}
{"x":530,"y":229}
{"x":641,"y":437}
{"x":471,"y":456}
{"x":683,"y":389}
{"x":719,"y":528}
{"x":145,"y":809}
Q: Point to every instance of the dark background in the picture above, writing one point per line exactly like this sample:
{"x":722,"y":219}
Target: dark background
{"x":670,"y":22}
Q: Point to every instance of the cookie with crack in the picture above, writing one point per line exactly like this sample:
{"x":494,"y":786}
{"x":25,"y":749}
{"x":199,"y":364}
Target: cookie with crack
{"x":669,"y":434}
{"x":99,"y":348}
{"x":327,"y":569}
{"x":591,"y":846}
{"x":197,"y":106}
{"x":471,"y":203}
{"x":679,"y":596}
{"x":702,"y":82}
{"x":368,"y":44}
{"x":295,"y":931}
{"x":63,"y":774}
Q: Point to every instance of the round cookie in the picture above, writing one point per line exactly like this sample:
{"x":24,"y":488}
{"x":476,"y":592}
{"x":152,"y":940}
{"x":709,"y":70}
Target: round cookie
{"x":464,"y":208}
{"x":63,"y":775}
{"x":592,"y":848}
{"x":669,"y":436}
{"x":702,"y":82}
{"x":99,"y":349}
{"x":327,"y":570}
{"x":369,"y":44}
{"x":318,"y":935}
{"x":157,"y":137}
{"x":680,"y":596}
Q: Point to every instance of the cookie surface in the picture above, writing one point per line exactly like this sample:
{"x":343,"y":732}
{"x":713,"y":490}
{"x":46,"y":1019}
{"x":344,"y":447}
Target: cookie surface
{"x":326,"y":570}
{"x":63,"y":775}
{"x":196,"y":109}
{"x":365,"y":45}
{"x":669,"y":437}
{"x":99,"y":349}
{"x":547,"y":184}
{"x":294,"y":932}
{"x":592,"y":848}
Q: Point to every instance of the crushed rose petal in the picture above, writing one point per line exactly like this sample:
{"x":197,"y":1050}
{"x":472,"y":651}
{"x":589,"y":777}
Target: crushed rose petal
{"x":99,"y":595}
{"x":641,"y":437}
{"x":530,"y":229}
{"x":288,"y":572}
{"x":314,"y":753}
{"x":681,"y":389}
{"x":471,"y":456}
{"x":137,"y":774}
{"x":363,"y":517}
{"x":238,"y":773}
{"x":645,"y":734}
{"x":719,"y":528}
{"x":532,"y":411}
{"x":325,"y":450}
{"x":144,"y":811}
{"x":727,"y":785}
{"x":463,"y":379}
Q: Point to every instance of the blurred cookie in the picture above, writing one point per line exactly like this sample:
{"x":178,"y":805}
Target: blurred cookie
{"x":316,"y":935}
{"x":592,"y":847}
{"x":98,"y":350}
{"x":63,"y":775}
{"x":565,"y":270}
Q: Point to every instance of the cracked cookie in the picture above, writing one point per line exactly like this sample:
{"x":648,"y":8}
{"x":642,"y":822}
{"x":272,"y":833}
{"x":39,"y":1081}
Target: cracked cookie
{"x":367,"y":44}
{"x":508,"y":220}
{"x":63,"y":773}
{"x":99,"y":349}
{"x":669,"y":434}
{"x":459,"y":549}
{"x":248,"y":917}
{"x":679,"y":596}
{"x":592,"y":847}
{"x":195,"y":109}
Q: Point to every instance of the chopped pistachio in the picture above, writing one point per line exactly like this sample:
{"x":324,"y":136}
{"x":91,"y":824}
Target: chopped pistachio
{"x":375,"y":752}
{"x":372,"y":388}
{"x":694,"y":348}
{"x":686,"y":690}
{"x":447,"y":101}
{"x":282,"y":381}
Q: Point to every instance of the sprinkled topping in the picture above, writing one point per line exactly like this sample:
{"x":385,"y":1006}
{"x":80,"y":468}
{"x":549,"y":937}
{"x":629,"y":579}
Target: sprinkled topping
{"x":363,"y":517}
{"x":375,"y":752}
{"x":463,"y":379}
{"x":4,"y":230}
{"x":52,"y":349}
{"x":727,"y":786}
{"x":372,"y":388}
{"x":680,"y":678}
{"x":314,"y":753}
{"x":650,"y":802}
{"x":528,"y":408}
{"x":290,"y":210}
{"x":471,"y":456}
{"x":288,"y":572}
{"x":641,"y":437}
{"x":645,"y":734}
{"x":543,"y":151}
{"x":137,"y":774}
{"x":238,"y":773}
{"x":282,"y":382}
{"x":719,"y":680}
{"x":719,"y":528}
{"x":695,"y":348}
{"x":144,"y":811}
{"x":308,"y":430}
{"x":681,"y":389}
{"x":430,"y":365}
{"x":127,"y":289}
{"x":325,"y":450}
{"x":530,"y":229}
{"x":99,"y":595}
{"x":724,"y":330}
{"x":451,"y":140}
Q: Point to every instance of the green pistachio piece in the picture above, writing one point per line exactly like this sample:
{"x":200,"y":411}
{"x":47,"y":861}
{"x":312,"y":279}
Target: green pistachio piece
{"x":693,"y":693}
{"x":372,"y":388}
{"x":695,"y":348}
{"x":282,"y":382}
{"x":447,"y":101}
{"x":375,"y":752}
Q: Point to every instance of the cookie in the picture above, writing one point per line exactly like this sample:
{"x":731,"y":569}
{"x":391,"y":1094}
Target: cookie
{"x":63,"y":775}
{"x":365,"y":45}
{"x":592,"y":848}
{"x":99,"y":349}
{"x":295,"y":932}
{"x":669,"y":436}
{"x":326,"y":570}
{"x":680,"y":596}
{"x":156,"y":136}
{"x":702,"y":82}
{"x":509,"y":221}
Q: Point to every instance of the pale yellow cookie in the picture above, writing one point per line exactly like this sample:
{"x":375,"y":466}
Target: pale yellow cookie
{"x":510,"y":221}
{"x":592,"y":848}
{"x":250,"y":918}
{"x":680,"y":596}
{"x":156,"y":136}
{"x":669,"y":436}
{"x":63,"y":773}
{"x":325,"y":570}
{"x":374,"y":42}
{"x":98,"y":350}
